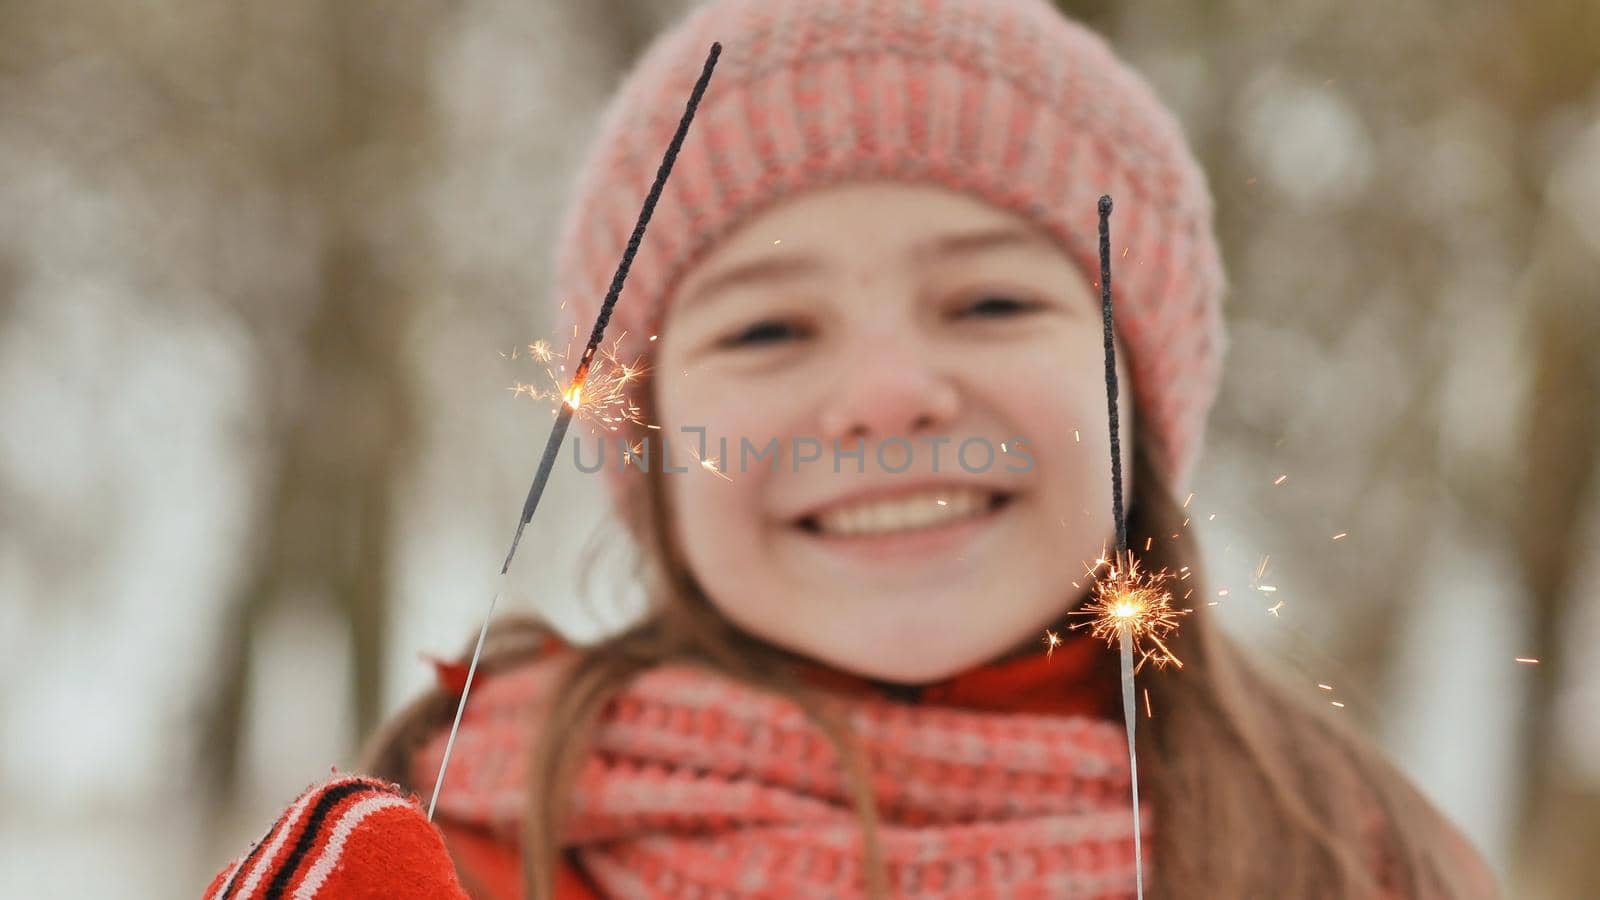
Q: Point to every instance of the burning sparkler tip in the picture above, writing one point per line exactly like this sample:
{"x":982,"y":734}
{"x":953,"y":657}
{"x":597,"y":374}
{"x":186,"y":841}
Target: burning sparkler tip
{"x":1131,"y":602}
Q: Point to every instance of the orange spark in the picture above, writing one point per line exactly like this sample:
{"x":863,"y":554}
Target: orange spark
{"x":1527,"y":660}
{"x":1051,"y":641}
{"x":711,"y":464}
{"x":1255,"y":582}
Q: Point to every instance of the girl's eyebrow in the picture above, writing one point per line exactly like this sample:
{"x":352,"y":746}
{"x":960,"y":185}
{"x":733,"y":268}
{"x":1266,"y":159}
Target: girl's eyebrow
{"x":789,"y":267}
{"x":999,"y":237}
{"x":767,"y":268}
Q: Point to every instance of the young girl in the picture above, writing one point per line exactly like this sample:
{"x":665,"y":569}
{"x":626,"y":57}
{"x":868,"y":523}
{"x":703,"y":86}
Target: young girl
{"x":873,"y":275}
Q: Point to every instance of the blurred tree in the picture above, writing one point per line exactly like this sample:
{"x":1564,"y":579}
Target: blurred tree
{"x":1559,"y":811}
{"x":339,"y":398}
{"x":1546,"y":69}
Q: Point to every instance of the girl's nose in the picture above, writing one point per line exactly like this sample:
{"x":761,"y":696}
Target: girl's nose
{"x":887,"y":393}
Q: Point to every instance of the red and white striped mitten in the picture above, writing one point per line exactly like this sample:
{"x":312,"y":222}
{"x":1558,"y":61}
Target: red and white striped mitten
{"x":352,"y":838}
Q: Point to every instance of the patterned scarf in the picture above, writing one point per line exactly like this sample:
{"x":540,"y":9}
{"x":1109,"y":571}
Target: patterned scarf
{"x":1006,"y":781}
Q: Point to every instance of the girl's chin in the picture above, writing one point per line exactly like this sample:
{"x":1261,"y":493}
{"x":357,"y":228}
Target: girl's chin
{"x":925,"y":645}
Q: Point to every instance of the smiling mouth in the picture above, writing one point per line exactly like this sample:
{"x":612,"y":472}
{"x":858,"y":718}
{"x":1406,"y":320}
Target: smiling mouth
{"x":922,"y":511}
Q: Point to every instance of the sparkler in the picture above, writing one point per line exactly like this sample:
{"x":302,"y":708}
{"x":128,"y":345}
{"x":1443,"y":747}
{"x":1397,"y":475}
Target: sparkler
{"x":1129,"y":606}
{"x":573,"y":397}
{"x":603,"y":400}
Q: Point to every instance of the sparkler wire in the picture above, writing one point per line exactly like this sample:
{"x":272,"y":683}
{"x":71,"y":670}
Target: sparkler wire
{"x":1111,"y":373}
{"x":462,"y":706}
{"x":553,"y":446}
{"x":547,"y":463}
{"x":1122,"y":558}
{"x":572,"y":397}
{"x":1130,"y":716}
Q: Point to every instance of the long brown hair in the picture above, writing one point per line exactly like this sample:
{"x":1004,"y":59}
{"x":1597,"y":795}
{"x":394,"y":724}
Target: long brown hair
{"x":1255,"y":790}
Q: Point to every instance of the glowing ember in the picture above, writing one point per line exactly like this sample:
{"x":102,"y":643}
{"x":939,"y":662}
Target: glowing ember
{"x":1131,"y":600}
{"x":711,"y":464}
{"x":1052,"y":641}
{"x":599,"y":395}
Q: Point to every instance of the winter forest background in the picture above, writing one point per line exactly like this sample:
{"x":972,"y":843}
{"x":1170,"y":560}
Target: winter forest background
{"x":262,"y":265}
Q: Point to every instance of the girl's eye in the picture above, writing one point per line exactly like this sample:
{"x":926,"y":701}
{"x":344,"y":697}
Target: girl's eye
{"x":761,"y":333}
{"x":994,"y":306}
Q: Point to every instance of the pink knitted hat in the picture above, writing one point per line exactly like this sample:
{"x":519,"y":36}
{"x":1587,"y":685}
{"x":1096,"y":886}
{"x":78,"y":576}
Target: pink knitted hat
{"x":1005,"y":100}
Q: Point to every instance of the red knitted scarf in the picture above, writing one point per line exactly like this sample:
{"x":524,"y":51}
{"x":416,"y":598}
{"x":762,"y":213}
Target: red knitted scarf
{"x":1008,"y":780}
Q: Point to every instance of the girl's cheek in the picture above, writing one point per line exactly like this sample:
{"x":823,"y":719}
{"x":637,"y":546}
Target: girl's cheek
{"x":760,"y":405}
{"x":1041,"y":381}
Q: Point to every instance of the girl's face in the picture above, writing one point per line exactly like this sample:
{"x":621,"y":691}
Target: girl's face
{"x":953,"y":355}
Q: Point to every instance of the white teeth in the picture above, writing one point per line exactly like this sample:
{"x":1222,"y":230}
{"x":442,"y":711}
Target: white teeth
{"x":905,"y":513}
